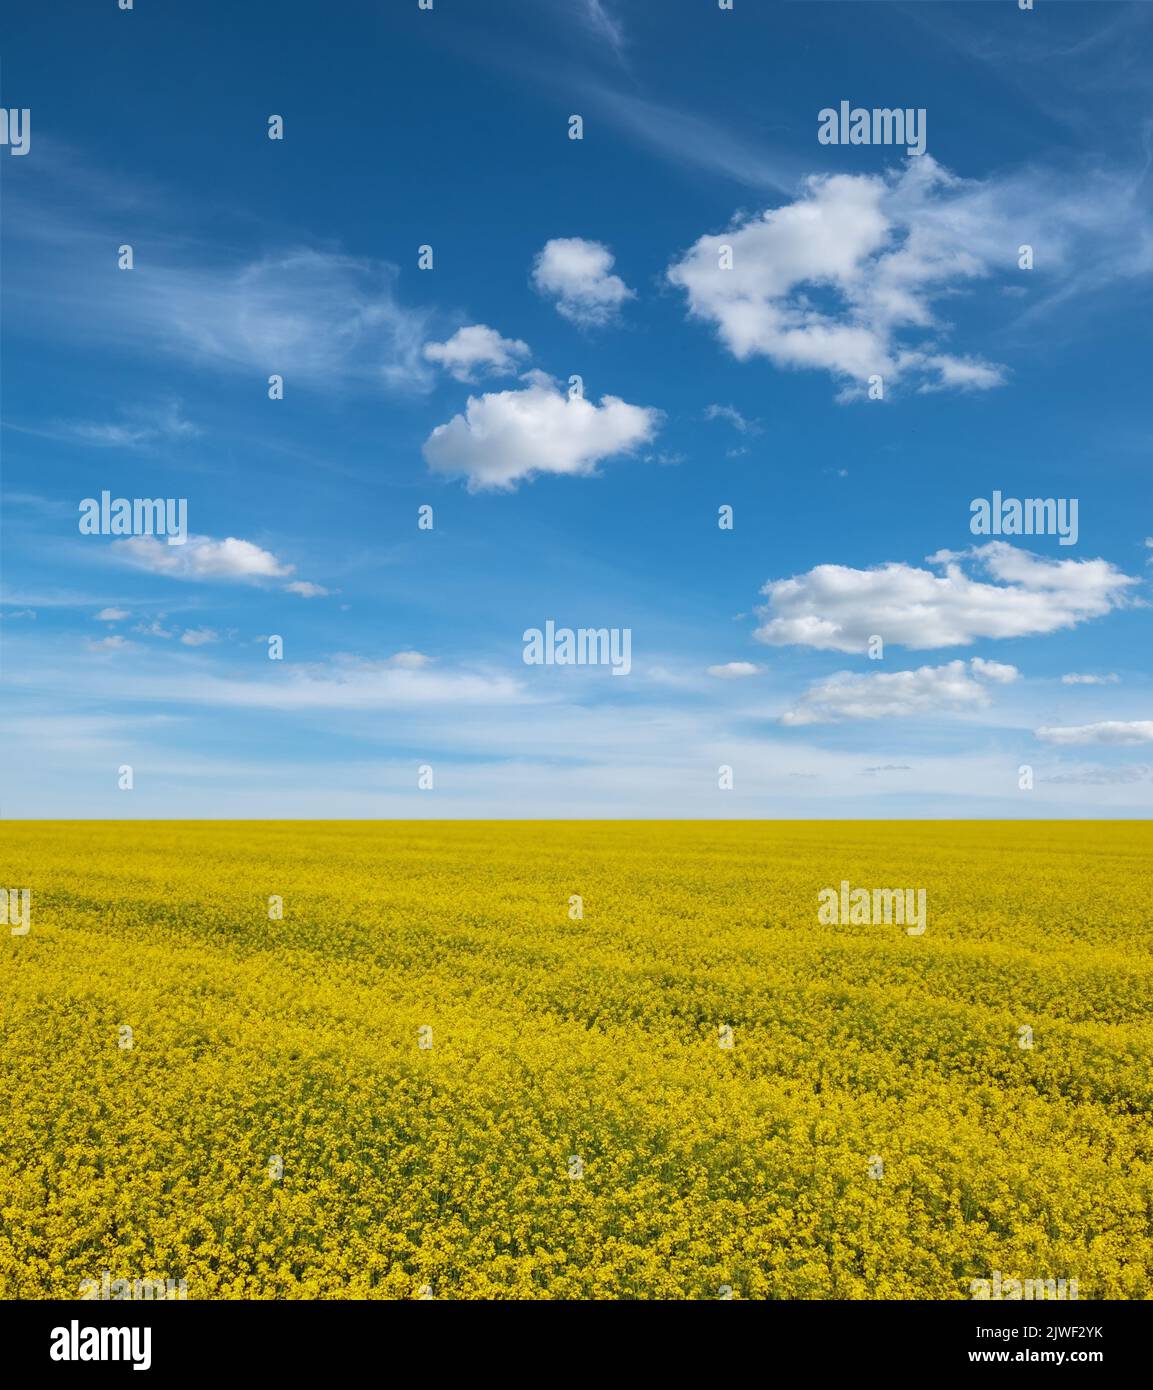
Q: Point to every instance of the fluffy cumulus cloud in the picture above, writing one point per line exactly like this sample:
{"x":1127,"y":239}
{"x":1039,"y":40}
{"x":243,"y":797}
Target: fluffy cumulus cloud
{"x":1110,"y":732}
{"x":577,"y":275}
{"x":835,"y":608}
{"x":477,"y":351}
{"x":956,"y":686}
{"x":846,"y":277}
{"x":202,"y":558}
{"x":505,"y":437}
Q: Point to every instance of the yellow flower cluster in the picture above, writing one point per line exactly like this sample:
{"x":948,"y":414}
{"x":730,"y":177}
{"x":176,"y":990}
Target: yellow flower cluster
{"x":494,"y":1060}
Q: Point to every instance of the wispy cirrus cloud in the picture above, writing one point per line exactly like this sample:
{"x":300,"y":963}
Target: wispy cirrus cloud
{"x":700,"y":142}
{"x":1107,"y":733}
{"x":734,"y":418}
{"x":314,"y":315}
{"x":317,"y":317}
{"x":733,"y":670}
{"x":137,"y":427}
{"x":1102,"y":775}
{"x":311,"y":313}
{"x":343,"y":683}
{"x":600,"y":20}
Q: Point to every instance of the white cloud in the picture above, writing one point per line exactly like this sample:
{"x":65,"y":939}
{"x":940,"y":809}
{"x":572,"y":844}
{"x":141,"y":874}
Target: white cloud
{"x":316,"y":317}
{"x":700,"y":142}
{"x":835,"y":608}
{"x":145,"y":425}
{"x":507,"y":436}
{"x":198,"y":636}
{"x":110,"y":644}
{"x":111,"y":615}
{"x":956,"y":686}
{"x":1110,"y":732}
{"x":106,"y":436}
{"x":734,"y":417}
{"x":477,"y":351}
{"x":1074,"y":679}
{"x":1103,"y":775}
{"x":343,"y":684}
{"x":734,"y":670}
{"x":409,"y":661}
{"x":576,"y":273}
{"x":638,"y":757}
{"x":202,"y":558}
{"x":960,"y":373}
{"x":597,"y":18}
{"x":845,"y":277}
{"x":998,"y":671}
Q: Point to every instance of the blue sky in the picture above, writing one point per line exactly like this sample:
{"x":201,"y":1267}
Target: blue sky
{"x":448,"y":387}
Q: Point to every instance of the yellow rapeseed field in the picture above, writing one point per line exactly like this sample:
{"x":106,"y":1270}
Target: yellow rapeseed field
{"x":438,"y":1074}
